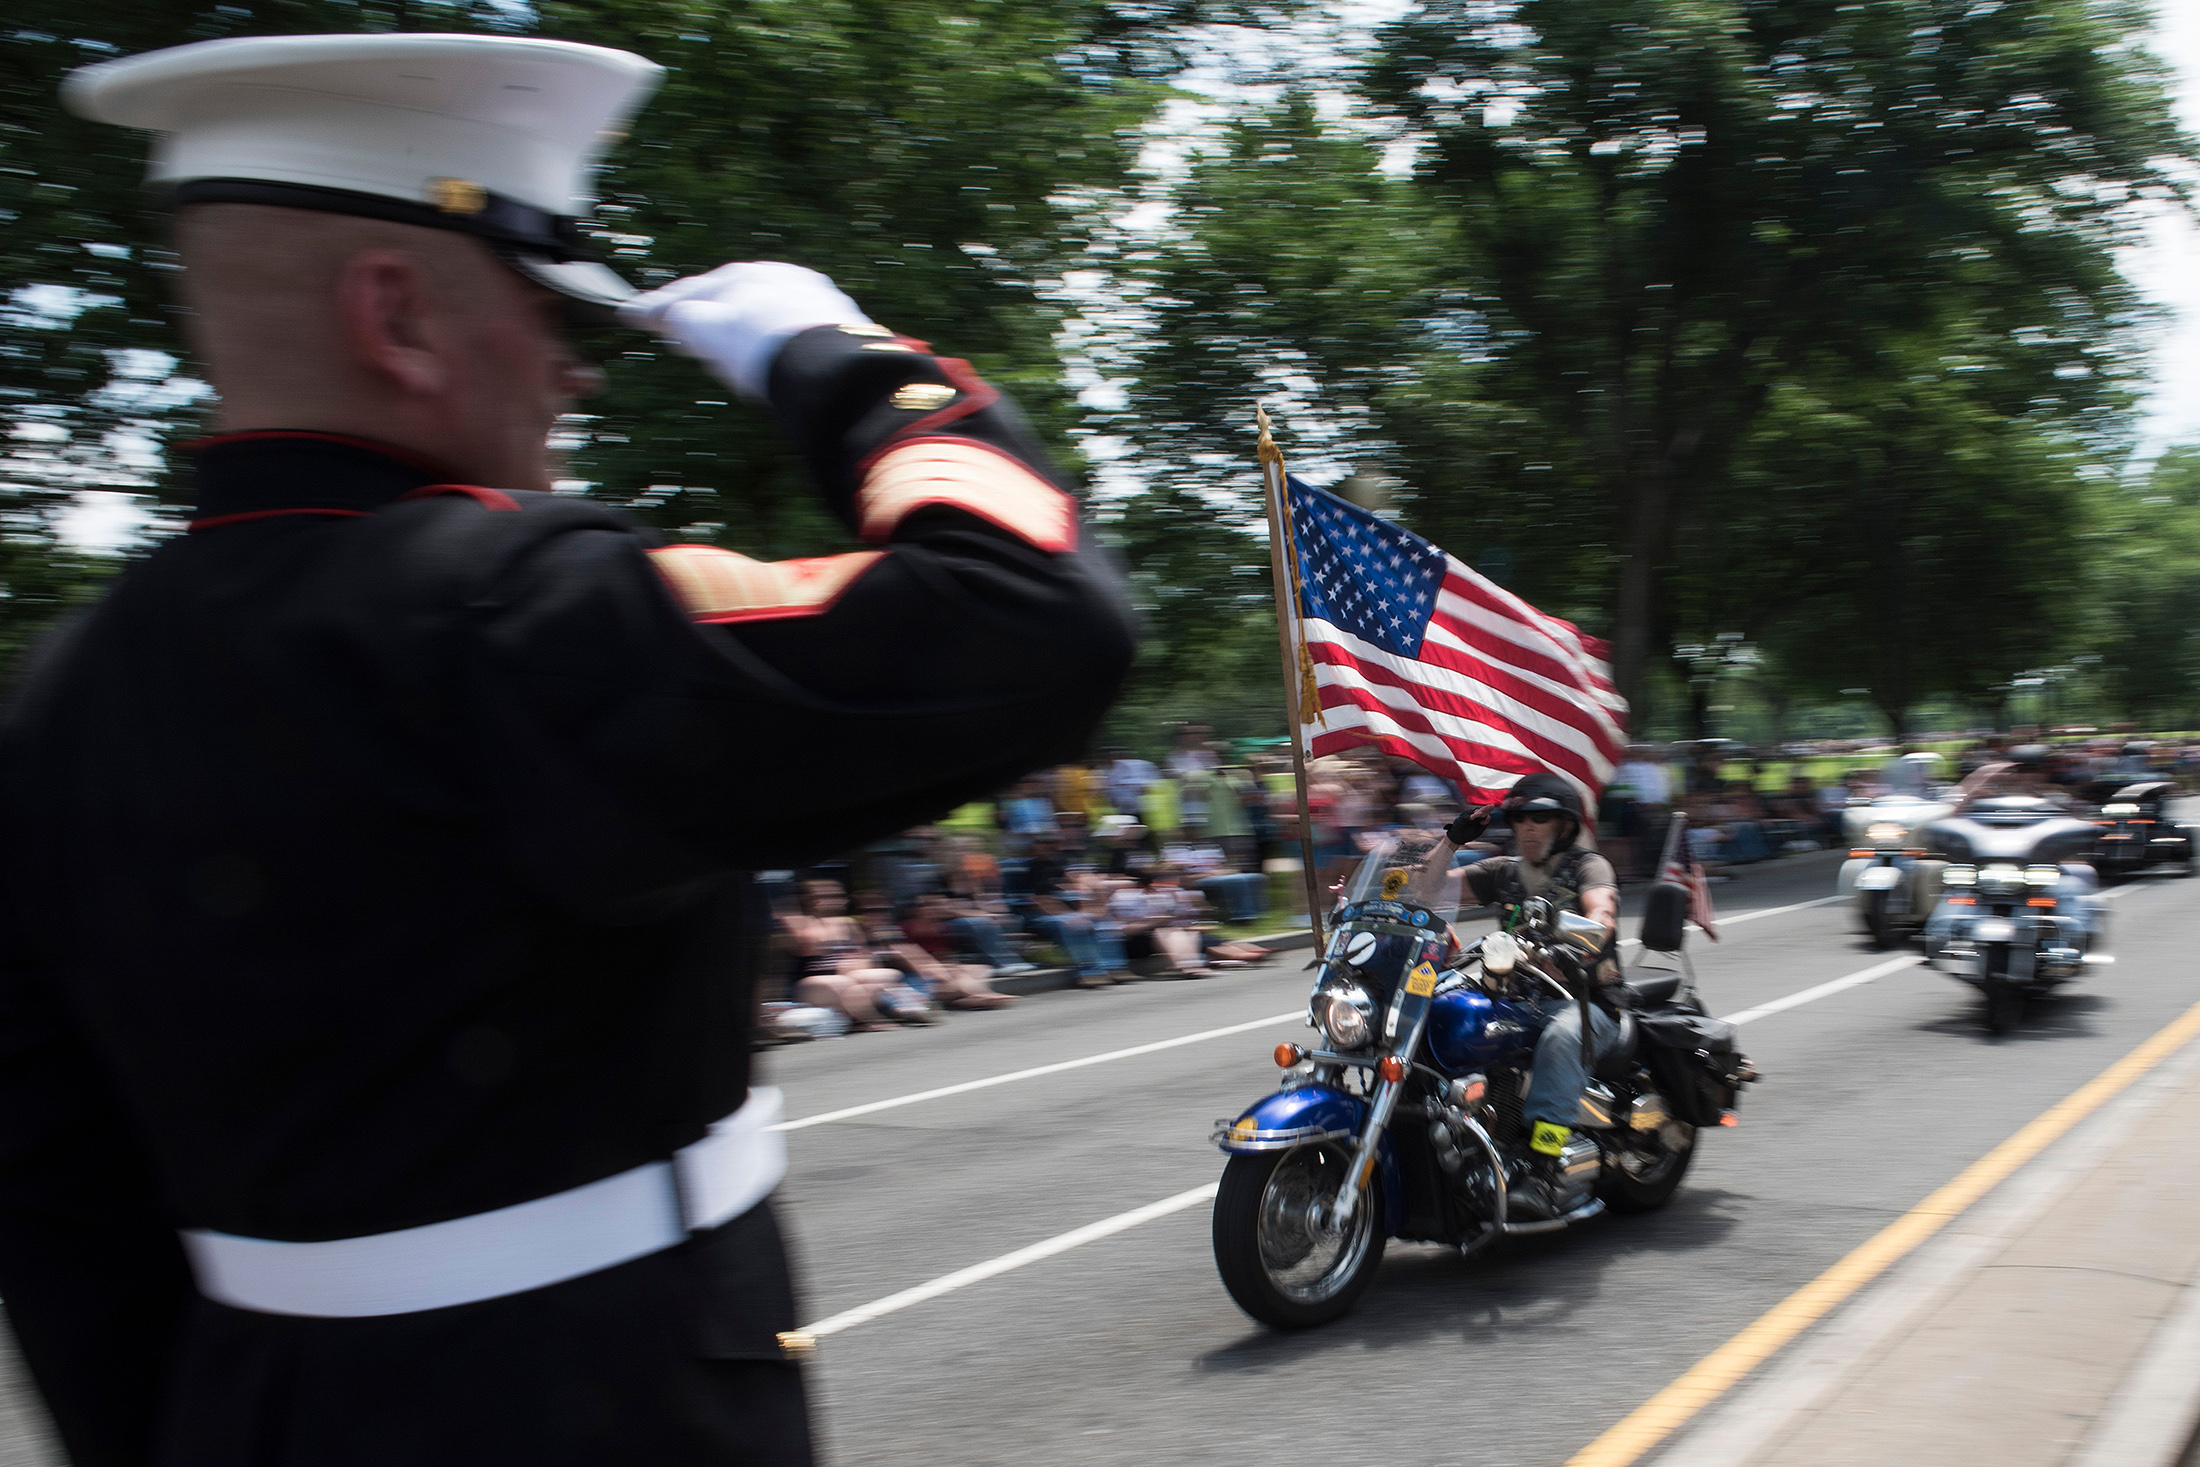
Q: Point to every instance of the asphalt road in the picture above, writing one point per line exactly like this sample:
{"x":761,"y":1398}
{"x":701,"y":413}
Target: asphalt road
{"x":1125,"y":1349}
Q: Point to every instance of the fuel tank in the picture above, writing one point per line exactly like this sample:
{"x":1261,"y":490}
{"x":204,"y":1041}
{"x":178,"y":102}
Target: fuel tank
{"x":1469,"y":1030}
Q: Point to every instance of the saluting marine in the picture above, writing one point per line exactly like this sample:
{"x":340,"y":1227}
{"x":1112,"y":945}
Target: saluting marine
{"x":375,"y":973}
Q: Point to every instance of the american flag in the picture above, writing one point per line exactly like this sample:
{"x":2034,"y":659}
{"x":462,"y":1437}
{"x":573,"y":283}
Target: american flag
{"x":1689,"y":874}
{"x":1414,"y":652}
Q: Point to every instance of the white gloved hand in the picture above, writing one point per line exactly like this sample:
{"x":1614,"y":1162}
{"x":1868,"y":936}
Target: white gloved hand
{"x":737,"y":317}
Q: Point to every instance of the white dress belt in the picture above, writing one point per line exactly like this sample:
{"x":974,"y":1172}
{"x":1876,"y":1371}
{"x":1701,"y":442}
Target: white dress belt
{"x":525,"y":1246}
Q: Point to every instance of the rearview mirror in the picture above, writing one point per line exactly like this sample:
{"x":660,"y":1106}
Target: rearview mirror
{"x":1580,"y":932}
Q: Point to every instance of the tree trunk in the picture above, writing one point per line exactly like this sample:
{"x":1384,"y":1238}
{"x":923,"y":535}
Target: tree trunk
{"x":1638,"y":585}
{"x":1895,"y":710}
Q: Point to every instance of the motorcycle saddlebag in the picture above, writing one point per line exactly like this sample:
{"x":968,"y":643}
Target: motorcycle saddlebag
{"x":1693,"y":1059}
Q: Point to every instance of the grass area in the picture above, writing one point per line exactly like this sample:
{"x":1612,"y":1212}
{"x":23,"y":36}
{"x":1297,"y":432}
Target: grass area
{"x":1823,"y":769}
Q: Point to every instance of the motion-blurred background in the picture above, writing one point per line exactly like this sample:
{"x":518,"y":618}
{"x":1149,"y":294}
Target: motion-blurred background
{"x":1804,"y":350}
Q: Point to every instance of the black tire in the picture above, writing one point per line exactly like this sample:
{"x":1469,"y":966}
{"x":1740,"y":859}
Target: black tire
{"x":1875,"y":921}
{"x":1648,"y":1188}
{"x":2004,"y":1004}
{"x":1251,"y":1192}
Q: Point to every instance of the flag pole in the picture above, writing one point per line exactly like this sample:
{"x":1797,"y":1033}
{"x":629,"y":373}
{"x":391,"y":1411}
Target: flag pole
{"x":1272,"y":477}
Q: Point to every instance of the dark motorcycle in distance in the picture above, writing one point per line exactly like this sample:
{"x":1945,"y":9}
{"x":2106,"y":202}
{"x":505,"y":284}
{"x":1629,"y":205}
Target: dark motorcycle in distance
{"x":1403,"y":1120}
{"x":2018,"y":916}
{"x":2135,"y":830}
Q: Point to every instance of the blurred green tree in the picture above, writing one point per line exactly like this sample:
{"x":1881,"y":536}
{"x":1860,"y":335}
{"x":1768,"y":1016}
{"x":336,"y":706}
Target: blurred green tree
{"x":1632,"y":230}
{"x":935,"y":156}
{"x":2147,"y":591}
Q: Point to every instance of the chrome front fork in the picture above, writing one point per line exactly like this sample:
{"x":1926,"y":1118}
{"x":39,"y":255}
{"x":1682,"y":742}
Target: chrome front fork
{"x":1362,"y":1173}
{"x":1363,"y":1160}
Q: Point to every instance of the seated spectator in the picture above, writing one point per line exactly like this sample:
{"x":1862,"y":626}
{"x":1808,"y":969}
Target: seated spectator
{"x":951,"y":985}
{"x":957,"y":928}
{"x":1740,"y":818}
{"x":1242,"y":895}
{"x":1148,"y":921}
{"x":1025,"y":811}
{"x":1833,"y":803}
{"x":1045,"y":899}
{"x":1706,"y":836}
{"x":1122,"y":846}
{"x":837,"y":972}
{"x":1192,"y":913}
{"x":1076,"y":837}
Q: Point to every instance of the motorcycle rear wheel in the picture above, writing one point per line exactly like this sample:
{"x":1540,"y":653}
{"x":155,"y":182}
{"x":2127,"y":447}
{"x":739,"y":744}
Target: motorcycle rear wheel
{"x":1278,"y":1265}
{"x":2004,"y":1004}
{"x":1651,"y":1183}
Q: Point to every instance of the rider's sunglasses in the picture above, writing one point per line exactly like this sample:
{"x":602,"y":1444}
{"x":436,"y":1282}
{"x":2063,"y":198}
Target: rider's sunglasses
{"x":1536,"y":817}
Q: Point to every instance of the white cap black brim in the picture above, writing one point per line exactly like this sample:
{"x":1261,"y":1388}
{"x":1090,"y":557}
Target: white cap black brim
{"x":492,"y":136}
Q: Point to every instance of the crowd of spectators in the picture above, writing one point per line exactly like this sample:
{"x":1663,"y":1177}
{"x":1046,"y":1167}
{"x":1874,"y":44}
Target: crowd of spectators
{"x":1124,"y":867}
{"x":1116,"y":869}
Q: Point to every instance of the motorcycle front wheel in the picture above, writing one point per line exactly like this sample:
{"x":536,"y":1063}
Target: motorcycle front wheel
{"x":1278,"y":1262}
{"x":1876,"y":923}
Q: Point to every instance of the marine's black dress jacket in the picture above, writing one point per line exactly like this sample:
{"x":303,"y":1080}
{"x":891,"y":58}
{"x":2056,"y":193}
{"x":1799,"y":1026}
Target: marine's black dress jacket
{"x":369,"y":859}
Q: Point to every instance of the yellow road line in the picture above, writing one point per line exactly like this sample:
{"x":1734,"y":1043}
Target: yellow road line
{"x":1657,"y":1418}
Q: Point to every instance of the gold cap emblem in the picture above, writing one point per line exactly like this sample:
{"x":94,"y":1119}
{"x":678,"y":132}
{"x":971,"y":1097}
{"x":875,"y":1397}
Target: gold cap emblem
{"x":919,"y":397}
{"x":457,"y":195}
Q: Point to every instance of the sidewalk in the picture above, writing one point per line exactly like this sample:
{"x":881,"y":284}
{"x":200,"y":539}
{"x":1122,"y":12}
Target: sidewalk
{"x":2057,"y":1325}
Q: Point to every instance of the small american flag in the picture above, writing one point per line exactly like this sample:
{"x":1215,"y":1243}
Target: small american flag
{"x":1687,"y":873}
{"x":1412,"y":651}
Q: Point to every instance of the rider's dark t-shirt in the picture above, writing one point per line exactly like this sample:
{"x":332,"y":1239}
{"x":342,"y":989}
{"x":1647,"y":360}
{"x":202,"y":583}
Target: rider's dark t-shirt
{"x":1487,"y":880}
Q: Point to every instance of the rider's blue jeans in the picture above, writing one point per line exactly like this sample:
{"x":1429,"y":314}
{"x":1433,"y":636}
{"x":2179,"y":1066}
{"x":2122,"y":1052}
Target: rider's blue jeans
{"x":1554,"y":1091}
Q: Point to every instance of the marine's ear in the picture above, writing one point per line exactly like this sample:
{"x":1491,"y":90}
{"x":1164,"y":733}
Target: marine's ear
{"x":388,"y":304}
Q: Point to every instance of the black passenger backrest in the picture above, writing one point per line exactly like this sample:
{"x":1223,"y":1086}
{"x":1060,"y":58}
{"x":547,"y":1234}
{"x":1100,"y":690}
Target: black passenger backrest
{"x":1663,"y":915}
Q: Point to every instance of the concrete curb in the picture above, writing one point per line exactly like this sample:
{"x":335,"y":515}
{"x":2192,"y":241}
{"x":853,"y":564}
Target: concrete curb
{"x":2152,"y":1419}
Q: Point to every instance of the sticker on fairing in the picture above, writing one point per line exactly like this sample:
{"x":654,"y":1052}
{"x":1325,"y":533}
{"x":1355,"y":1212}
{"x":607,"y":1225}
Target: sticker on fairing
{"x":1394,"y":882}
{"x":1421,"y":982}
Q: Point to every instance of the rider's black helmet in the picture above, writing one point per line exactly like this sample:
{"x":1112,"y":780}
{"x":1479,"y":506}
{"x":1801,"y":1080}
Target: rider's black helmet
{"x":1541,"y":791}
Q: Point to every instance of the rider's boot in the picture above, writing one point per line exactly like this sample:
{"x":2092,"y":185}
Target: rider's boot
{"x":1541,"y":1185}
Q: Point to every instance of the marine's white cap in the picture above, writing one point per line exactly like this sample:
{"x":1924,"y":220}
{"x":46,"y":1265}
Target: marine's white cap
{"x":491,"y":135}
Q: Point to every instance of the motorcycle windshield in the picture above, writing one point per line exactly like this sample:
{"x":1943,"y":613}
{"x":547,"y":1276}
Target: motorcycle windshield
{"x":1395,"y":870}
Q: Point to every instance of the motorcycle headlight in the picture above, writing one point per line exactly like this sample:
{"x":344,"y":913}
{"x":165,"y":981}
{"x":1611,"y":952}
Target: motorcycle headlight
{"x":1959,"y":876}
{"x":1346,"y":1014}
{"x":2001,"y":876}
{"x":1885,"y":834}
{"x":2119,"y":810}
{"x":2042,"y":875}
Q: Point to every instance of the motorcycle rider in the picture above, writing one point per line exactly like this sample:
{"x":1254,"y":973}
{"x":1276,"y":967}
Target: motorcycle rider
{"x":1549,"y":862}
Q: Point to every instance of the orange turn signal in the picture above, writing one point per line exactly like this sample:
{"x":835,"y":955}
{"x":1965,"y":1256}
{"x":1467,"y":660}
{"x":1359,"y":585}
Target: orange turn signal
{"x":1728,"y":1118}
{"x":1860,"y":855}
{"x":1288,"y":1055}
{"x":2039,"y":901}
{"x":1963,"y":901}
{"x":1391,"y":1068}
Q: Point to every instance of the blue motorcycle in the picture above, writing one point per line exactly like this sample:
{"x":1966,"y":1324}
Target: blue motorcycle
{"x":1403,"y":1120}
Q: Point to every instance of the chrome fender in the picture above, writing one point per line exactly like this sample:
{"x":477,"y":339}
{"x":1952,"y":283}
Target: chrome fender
{"x":1310,"y":1113}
